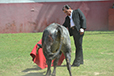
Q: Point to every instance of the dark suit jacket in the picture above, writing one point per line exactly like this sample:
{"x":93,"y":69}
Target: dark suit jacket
{"x":78,"y":19}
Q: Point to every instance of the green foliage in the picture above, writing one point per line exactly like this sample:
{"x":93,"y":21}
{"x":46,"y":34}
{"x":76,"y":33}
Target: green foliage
{"x":98,"y":50}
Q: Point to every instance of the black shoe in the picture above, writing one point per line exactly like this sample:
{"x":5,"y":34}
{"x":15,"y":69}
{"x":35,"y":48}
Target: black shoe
{"x":81,"y":63}
{"x":76,"y":65}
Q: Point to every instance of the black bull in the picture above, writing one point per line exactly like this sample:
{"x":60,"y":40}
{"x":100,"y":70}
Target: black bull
{"x":55,"y":41}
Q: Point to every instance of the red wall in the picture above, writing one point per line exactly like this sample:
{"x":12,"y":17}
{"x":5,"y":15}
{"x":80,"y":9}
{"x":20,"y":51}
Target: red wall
{"x":35,"y":17}
{"x":111,"y":19}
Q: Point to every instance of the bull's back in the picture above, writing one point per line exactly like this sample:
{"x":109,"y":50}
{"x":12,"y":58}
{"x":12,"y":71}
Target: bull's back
{"x":50,"y":30}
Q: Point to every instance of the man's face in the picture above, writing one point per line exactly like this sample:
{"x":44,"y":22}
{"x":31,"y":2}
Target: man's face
{"x":67,"y":11}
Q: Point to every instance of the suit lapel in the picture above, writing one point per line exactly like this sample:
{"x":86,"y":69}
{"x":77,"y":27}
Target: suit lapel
{"x":75,"y":17}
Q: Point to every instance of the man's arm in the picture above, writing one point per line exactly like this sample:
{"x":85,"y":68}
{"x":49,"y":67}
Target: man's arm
{"x":65,"y":23}
{"x":83,"y":19}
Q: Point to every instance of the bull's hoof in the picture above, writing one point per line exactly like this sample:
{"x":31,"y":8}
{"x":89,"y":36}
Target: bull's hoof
{"x":48,"y":73}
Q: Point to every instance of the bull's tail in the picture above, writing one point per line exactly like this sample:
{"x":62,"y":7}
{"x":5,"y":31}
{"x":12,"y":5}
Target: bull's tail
{"x":39,"y":46}
{"x":60,"y":31}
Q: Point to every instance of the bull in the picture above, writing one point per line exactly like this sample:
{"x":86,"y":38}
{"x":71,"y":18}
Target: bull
{"x":55,"y":41}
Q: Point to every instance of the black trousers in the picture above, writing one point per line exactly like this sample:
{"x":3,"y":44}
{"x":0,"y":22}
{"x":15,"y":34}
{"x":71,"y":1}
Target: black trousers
{"x":78,"y":44}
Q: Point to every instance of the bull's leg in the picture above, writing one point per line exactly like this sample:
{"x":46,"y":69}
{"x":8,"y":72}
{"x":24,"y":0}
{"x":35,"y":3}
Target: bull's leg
{"x":55,"y":65}
{"x":68,"y":59}
{"x":49,"y":67}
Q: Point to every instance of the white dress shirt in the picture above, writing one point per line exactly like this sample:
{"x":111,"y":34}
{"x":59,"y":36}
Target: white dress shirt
{"x":71,"y":20}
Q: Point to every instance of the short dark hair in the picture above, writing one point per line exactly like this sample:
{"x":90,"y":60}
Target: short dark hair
{"x":65,"y":6}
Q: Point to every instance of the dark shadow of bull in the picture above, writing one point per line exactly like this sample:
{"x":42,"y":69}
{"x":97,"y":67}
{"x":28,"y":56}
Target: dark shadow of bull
{"x":55,"y":41}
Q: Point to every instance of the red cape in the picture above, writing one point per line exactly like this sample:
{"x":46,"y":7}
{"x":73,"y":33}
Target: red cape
{"x":39,"y":58}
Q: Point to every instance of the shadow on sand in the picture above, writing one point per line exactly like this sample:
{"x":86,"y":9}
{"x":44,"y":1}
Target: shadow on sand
{"x":30,"y":71}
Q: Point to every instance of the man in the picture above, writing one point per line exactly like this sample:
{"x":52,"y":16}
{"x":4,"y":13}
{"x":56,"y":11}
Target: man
{"x":75,"y":21}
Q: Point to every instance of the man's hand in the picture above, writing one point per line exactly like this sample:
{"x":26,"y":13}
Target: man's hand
{"x":81,"y":31}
